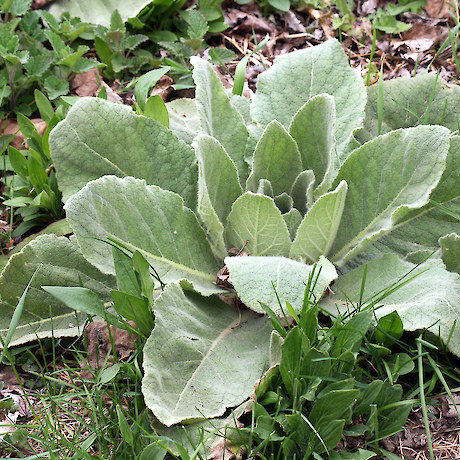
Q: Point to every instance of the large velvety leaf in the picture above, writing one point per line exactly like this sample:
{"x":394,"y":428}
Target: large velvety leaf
{"x":419,"y":235}
{"x":99,"y":138}
{"x":386,"y":178}
{"x":243,"y":105}
{"x":62,"y":264}
{"x":447,"y":192}
{"x":276,"y":158}
{"x":313,"y":129}
{"x":202,"y":357}
{"x":431,"y":300}
{"x":255,"y":133}
{"x":318,"y":229}
{"x":408,"y":102}
{"x":183,"y":119}
{"x":421,"y":228}
{"x":256,"y":279}
{"x":256,"y":219}
{"x":219,"y":118}
{"x":98,"y":11}
{"x":450,"y":246}
{"x":144,"y":218}
{"x":448,"y":188}
{"x":296,"y":77}
{"x":218,"y":188}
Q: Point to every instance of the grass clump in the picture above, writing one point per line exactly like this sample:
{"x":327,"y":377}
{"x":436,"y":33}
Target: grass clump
{"x":333,"y":385}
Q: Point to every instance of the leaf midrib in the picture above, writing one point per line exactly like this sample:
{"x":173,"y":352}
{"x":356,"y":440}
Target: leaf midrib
{"x":224,"y":333}
{"x":106,"y":160}
{"x":162,"y":259}
{"x":361,"y":236}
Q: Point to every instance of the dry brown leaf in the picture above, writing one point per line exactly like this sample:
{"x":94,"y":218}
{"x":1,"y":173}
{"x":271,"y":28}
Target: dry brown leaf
{"x":223,"y":275}
{"x":369,"y":7}
{"x":411,"y":442}
{"x":163,"y":87}
{"x":325,"y":21}
{"x":453,"y":408}
{"x":112,"y":96}
{"x":439,"y":8}
{"x":4,"y":228}
{"x":20,"y":409}
{"x":7,"y":426}
{"x":86,"y":83}
{"x":99,"y":345}
{"x":421,"y":37}
{"x":11,"y":127}
{"x":224,"y":77}
{"x":8,"y":377}
{"x":293,"y":23}
{"x":36,"y":4}
{"x":233,"y":16}
{"x":252,"y":24}
{"x":224,"y":450}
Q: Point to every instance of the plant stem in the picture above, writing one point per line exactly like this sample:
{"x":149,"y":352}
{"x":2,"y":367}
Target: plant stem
{"x":422,"y":398}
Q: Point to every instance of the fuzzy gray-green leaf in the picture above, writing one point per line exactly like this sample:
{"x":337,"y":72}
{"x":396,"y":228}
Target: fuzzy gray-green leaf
{"x":184,"y":121}
{"x":423,"y":99}
{"x":302,"y":190}
{"x":256,"y":219}
{"x":62,"y":264}
{"x":292,"y":219}
{"x":387,"y":177}
{"x":297,"y":77}
{"x":276,"y":158}
{"x":450,"y":247}
{"x":257,"y":278}
{"x":313,"y":130}
{"x":318,"y":229}
{"x":430,"y":301}
{"x":218,"y":188}
{"x":421,"y":228}
{"x":98,"y":11}
{"x":144,"y":218}
{"x":193,"y":358}
{"x":219,"y":118}
{"x":99,"y":138}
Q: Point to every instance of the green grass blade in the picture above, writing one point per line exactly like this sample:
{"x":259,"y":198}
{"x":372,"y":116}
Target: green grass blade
{"x":443,"y":381}
{"x":17,"y":315}
{"x":445,"y":210}
{"x":380,"y":102}
{"x":371,"y":57}
{"x":240,"y":71}
{"x":423,"y":401}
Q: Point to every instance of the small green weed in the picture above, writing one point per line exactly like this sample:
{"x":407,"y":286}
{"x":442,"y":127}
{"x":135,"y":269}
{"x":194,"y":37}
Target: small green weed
{"x":120,"y":50}
{"x":385,"y":20}
{"x":31,"y":193}
{"x":325,"y":386}
{"x":193,"y":27}
{"x":38,"y":52}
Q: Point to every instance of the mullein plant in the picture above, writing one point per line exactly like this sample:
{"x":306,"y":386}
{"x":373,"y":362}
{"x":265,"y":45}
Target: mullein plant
{"x":304,"y":175}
